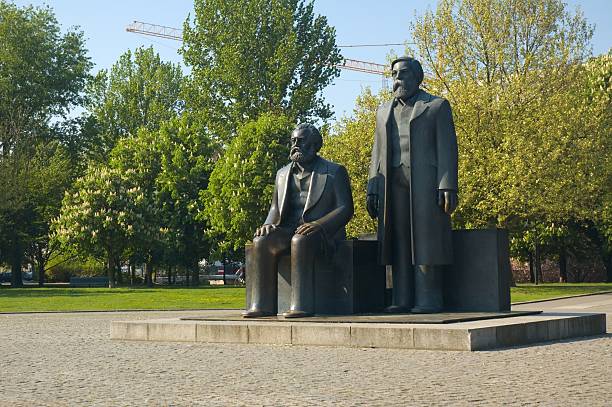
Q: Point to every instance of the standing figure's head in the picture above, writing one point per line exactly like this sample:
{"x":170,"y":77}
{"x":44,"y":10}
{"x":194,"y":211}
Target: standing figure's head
{"x":306,"y":141}
{"x":407,"y":75}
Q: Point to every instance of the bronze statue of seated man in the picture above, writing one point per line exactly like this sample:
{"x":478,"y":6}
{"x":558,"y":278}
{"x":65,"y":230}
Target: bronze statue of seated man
{"x":311,"y":205}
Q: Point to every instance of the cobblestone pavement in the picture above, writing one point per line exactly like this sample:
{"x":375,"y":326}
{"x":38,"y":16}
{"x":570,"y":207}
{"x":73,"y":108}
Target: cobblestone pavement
{"x":69,"y":360}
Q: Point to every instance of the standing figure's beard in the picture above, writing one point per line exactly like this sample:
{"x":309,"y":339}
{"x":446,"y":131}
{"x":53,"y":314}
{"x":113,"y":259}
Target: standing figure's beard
{"x":298,"y":156}
{"x":401,"y":91}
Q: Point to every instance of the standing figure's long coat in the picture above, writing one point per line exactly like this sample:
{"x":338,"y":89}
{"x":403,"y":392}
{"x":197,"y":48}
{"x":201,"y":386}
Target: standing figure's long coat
{"x":433,"y":166}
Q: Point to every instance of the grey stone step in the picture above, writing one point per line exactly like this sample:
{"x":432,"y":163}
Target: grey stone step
{"x":465,"y":336}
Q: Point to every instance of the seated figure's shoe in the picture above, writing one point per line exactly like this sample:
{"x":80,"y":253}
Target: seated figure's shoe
{"x":256,"y":313}
{"x":296,"y":314}
{"x":425,"y":310}
{"x":396,"y":309}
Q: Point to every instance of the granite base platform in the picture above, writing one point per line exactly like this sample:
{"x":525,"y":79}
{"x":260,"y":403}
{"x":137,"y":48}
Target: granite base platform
{"x":482,"y":334}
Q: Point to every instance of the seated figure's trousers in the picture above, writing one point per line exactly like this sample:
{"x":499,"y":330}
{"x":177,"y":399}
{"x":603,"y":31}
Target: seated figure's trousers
{"x":262,"y":280}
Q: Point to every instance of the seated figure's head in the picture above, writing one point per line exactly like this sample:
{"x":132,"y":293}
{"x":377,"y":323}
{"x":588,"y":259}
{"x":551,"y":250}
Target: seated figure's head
{"x":306,"y":141}
{"x":407,"y":75}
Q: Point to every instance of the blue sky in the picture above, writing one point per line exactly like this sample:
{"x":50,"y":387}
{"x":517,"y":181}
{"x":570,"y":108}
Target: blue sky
{"x":356,"y":22}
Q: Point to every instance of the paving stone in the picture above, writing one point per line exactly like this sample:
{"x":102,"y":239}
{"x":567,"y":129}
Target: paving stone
{"x":69,"y":360}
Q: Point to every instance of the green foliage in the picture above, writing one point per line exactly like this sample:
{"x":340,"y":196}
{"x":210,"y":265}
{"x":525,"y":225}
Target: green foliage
{"x":531,"y":148}
{"x":64,"y":266}
{"x":42,"y":74}
{"x":33,"y":183}
{"x":186,"y":163}
{"x":241,"y":185}
{"x":107,"y":212}
{"x":148,"y":195}
{"x":140,"y":91}
{"x":350,"y":144}
{"x":258,"y":56}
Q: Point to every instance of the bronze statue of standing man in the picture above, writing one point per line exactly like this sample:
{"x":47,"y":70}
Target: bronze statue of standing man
{"x":412,"y":189}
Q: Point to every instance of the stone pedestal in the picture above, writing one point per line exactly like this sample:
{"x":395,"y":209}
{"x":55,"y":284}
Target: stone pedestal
{"x":349,"y":282}
{"x":352,"y":282}
{"x":479,"y":279}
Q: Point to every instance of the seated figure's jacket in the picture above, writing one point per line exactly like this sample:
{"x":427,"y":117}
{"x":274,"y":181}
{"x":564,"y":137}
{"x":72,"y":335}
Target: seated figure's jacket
{"x":329,"y":202}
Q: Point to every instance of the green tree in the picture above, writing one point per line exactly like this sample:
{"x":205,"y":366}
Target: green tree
{"x":186,"y":164}
{"x":105,"y":214}
{"x":139,"y":91}
{"x":514,"y":74}
{"x":51,"y":174}
{"x":240,"y":190}
{"x":138,"y":159}
{"x":258,"y":56}
{"x":42,"y":76}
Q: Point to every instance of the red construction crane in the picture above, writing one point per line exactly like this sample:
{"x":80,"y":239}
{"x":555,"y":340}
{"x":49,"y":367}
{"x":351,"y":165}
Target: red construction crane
{"x":176,"y":34}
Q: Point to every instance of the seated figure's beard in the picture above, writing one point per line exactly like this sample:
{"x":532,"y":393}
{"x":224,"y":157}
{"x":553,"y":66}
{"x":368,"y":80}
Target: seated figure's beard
{"x":296,"y":156}
{"x":299,"y":156}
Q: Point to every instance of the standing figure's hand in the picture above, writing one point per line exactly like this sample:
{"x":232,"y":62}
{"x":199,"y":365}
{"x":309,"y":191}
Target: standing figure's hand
{"x":372,"y":205}
{"x":447,"y":200}
{"x":265,"y":230}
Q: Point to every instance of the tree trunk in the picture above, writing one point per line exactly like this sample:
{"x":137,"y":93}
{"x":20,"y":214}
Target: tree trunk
{"x":119,"y":274}
{"x":195,"y":281}
{"x":608,"y":264}
{"x":110,"y":266}
{"x":16,"y":277}
{"x":132,"y":273}
{"x":224,"y":270}
{"x":187,"y":276}
{"x":41,"y":273}
{"x":538,"y":265}
{"x":532,"y":279}
{"x":562,"y":266}
{"x":40,"y":265}
{"x":169,"y":275}
{"x":149,"y":274}
{"x":512,"y":282}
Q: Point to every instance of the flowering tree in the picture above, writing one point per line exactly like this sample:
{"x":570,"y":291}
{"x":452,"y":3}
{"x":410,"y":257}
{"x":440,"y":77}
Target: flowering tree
{"x":105,"y":216}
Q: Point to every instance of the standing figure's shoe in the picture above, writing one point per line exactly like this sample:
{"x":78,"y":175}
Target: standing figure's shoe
{"x":396,"y":309}
{"x":425,"y":310}
{"x":296,"y":314}
{"x":255,"y":313}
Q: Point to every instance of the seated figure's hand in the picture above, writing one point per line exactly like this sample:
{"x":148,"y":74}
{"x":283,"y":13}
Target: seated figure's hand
{"x":372,"y":205}
{"x":308,"y":228}
{"x":265,"y":230}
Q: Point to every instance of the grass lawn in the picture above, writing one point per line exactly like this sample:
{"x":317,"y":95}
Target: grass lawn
{"x":90,"y":299}
{"x":531,"y":292}
{"x":100,"y":299}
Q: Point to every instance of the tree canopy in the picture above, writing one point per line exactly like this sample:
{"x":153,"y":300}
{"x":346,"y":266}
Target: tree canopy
{"x":256,"y":57}
{"x":139,"y":91}
{"x":514,"y":74}
{"x":238,"y":197}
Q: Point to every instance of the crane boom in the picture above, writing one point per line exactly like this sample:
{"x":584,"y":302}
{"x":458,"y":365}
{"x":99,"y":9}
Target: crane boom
{"x":176,"y":34}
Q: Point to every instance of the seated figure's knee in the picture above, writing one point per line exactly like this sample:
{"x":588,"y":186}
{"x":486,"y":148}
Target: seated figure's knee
{"x":261,"y":243}
{"x":301,"y":240}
